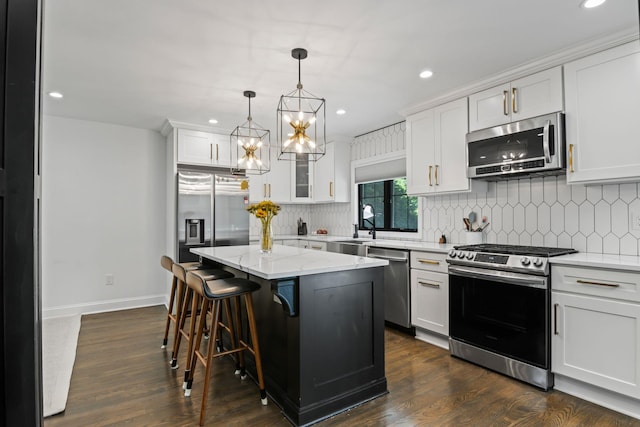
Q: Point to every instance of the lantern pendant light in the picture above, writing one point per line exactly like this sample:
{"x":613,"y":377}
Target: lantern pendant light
{"x":301,"y":121}
{"x":250,"y":145}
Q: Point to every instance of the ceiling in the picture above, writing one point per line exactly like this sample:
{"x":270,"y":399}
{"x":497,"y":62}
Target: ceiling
{"x":138,"y":63}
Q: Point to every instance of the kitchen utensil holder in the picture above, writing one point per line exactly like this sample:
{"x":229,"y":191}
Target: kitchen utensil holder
{"x":474,"y":237}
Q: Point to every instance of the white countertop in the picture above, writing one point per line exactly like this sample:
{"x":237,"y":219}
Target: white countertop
{"x":384,"y":243}
{"x":586,"y":259}
{"x":285,"y":261}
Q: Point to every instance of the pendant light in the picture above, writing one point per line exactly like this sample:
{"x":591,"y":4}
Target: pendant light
{"x":250,"y":145}
{"x":301,"y":121}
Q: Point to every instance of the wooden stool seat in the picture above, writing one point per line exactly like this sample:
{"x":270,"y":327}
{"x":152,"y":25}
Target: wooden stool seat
{"x":180,"y":272}
{"x":215,"y":293}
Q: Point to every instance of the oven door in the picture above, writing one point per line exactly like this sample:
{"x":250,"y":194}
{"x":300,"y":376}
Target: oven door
{"x":501,"y":312}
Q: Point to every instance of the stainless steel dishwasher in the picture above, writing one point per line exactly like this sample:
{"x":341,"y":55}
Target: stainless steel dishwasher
{"x":397,"y":290}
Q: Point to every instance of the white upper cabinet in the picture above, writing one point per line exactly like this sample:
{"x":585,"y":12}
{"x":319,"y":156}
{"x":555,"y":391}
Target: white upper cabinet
{"x":203,"y":148}
{"x":274,"y":185}
{"x":530,"y":96}
{"x":436,"y":151}
{"x":602,"y":112}
{"x":331,"y":175}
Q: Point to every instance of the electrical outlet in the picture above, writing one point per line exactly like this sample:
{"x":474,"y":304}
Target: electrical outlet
{"x":635,"y":220}
{"x":109,"y":279}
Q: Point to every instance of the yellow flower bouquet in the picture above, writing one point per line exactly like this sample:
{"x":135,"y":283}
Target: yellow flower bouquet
{"x":265,"y":211}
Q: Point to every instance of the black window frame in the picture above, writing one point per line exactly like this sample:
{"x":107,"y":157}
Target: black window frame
{"x":387,"y":203}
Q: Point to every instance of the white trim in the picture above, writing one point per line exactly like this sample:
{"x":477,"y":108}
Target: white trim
{"x":617,"y":402}
{"x":173,"y":124}
{"x":104,"y":306}
{"x":528,"y":68}
{"x":354,"y":196}
{"x":432,"y":338}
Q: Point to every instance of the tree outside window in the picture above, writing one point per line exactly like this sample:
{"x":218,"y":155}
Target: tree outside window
{"x":394,"y":210}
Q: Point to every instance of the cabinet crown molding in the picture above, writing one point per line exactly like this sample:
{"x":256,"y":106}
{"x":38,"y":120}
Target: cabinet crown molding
{"x":552,"y":60}
{"x":169,"y":125}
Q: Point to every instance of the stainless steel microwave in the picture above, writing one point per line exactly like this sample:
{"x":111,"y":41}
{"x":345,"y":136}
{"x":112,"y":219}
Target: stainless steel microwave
{"x":534,"y":146}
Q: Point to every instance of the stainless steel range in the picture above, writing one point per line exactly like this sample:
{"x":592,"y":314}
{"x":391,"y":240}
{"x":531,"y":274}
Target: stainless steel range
{"x":499,"y":309}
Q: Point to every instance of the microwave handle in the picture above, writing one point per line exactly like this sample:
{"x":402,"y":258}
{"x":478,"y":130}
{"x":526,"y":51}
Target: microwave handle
{"x":545,"y":141}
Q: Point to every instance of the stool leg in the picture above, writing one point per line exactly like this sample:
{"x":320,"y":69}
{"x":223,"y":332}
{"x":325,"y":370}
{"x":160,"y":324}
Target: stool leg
{"x":193,"y":358}
{"x":192,"y":333}
{"x":210,"y":351}
{"x":180,"y":326}
{"x":231,"y":326}
{"x":170,"y":311}
{"x":240,"y":367}
{"x":256,"y":346}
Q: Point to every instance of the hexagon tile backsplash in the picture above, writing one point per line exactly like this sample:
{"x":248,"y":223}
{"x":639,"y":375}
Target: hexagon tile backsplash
{"x":543,"y":212}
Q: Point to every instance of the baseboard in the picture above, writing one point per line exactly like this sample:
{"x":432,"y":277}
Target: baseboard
{"x":432,"y":338}
{"x":615,"y":401}
{"x":104,"y":306}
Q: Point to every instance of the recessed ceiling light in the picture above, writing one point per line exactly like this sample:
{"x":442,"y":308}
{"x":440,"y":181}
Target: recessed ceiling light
{"x":588,"y":4}
{"x":56,"y":95}
{"x":341,"y":112}
{"x":213,"y":121}
{"x":426,"y":74}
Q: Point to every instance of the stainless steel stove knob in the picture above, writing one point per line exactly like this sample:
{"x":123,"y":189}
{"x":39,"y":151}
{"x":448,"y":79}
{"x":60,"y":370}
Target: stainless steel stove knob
{"x":469,"y":255}
{"x":460,"y":254}
{"x":452,"y":253}
{"x":537,"y":262}
{"x":525,"y":261}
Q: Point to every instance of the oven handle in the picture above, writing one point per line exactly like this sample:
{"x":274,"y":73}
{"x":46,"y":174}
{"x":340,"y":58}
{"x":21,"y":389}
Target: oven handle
{"x":500,"y":276}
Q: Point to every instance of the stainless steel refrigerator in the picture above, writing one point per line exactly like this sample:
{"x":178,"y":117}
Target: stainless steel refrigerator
{"x":211,"y":211}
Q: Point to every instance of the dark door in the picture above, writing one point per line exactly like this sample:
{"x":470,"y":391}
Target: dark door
{"x":20,"y":392}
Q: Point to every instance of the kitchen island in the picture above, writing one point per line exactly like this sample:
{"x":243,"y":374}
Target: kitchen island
{"x":320,"y":321}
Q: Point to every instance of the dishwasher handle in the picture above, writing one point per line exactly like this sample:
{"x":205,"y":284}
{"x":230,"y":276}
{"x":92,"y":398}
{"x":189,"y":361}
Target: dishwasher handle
{"x":389,"y":258}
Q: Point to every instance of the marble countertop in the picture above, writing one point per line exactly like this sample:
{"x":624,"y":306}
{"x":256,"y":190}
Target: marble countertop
{"x":383,"y":243}
{"x":285,"y":261}
{"x":586,"y":259}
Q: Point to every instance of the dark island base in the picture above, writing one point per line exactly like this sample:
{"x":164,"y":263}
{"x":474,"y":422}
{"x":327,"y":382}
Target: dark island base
{"x":329,"y":356}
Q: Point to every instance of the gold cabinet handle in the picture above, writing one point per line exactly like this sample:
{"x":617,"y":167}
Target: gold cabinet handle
{"x":269,"y":189}
{"x":217,"y":156}
{"x":431,"y":285}
{"x":430,"y":184}
{"x":588,"y":282}
{"x":316,"y":247}
{"x":514,"y":104}
{"x":264,"y":190}
{"x":505,"y":93}
{"x":428,"y":261}
{"x":331,"y":189}
{"x":571,"y":158}
{"x":210,"y":151}
{"x":437,"y":183}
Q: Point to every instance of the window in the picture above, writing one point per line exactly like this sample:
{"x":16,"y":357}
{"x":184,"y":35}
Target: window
{"x":393,"y":209}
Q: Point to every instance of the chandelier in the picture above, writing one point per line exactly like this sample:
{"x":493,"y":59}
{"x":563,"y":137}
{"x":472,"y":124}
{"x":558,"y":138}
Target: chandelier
{"x":301,"y":121}
{"x":250,"y":145}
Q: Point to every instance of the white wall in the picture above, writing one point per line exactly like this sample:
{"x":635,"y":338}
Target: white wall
{"x":103,"y":212}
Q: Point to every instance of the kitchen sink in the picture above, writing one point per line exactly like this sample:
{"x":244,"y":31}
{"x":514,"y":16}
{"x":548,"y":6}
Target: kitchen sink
{"x":350,"y":247}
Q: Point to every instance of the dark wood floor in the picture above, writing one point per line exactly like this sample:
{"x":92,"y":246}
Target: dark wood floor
{"x":122,"y":377}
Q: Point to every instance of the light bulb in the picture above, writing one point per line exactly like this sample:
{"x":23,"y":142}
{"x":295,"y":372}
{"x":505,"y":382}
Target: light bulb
{"x":259,"y":162}
{"x":240,"y":142}
{"x":299,"y":148}
{"x":300,"y":115}
{"x":241,"y":161}
{"x":286,"y":118}
{"x":259,"y":144}
{"x":312,"y":120}
{"x":312,"y":144}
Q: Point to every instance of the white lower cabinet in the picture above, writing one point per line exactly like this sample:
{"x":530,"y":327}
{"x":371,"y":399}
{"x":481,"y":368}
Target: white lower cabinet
{"x":596,"y":331}
{"x":429,"y":292}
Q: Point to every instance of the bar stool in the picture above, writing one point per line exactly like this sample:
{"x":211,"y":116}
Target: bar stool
{"x":179,"y":272}
{"x":177,"y":293}
{"x":215,"y":292}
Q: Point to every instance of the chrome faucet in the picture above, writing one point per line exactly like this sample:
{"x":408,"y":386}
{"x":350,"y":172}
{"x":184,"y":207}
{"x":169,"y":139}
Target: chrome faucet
{"x":369,"y":215}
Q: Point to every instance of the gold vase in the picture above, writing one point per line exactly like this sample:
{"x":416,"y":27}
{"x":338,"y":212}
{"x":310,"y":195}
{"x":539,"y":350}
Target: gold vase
{"x":266,"y":241}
